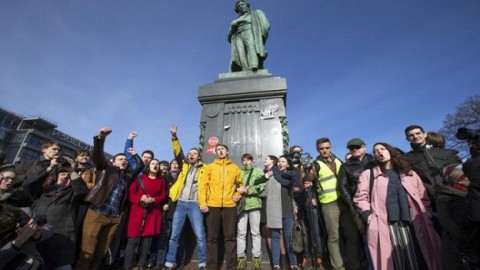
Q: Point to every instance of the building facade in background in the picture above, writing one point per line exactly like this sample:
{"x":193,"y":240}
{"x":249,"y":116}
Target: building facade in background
{"x":22,"y":136}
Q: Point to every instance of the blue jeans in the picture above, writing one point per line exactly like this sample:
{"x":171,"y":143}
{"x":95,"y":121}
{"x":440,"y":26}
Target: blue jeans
{"x":287,"y":224}
{"x":191,"y":210}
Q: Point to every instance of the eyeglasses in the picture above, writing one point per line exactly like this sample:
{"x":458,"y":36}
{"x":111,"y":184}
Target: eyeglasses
{"x":354,"y":147}
{"x":6,"y":178}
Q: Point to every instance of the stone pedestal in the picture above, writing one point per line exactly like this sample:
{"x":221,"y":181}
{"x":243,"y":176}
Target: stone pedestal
{"x":246,"y":112}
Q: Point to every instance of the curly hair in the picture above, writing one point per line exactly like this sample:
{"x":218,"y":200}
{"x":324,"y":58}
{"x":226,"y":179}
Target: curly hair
{"x":399,"y":162}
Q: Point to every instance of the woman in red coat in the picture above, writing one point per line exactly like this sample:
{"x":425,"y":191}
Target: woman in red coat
{"x":146,"y":195}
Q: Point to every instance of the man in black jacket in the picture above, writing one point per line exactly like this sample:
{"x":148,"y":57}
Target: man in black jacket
{"x":349,"y":173}
{"x":428,"y":162}
{"x":33,"y":168}
{"x":107,"y":200}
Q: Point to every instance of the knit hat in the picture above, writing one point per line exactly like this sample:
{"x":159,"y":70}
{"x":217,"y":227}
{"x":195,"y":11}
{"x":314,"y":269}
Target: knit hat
{"x":453,"y":175}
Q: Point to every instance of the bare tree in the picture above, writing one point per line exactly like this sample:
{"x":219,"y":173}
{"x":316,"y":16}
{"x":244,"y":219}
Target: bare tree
{"x":467,"y":115}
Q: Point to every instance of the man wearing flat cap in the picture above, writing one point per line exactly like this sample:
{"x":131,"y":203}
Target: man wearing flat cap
{"x":348,"y":179}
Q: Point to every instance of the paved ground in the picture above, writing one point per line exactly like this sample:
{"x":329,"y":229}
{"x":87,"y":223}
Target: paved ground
{"x":194,"y":266}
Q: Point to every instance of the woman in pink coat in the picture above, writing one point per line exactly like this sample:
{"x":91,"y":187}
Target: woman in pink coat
{"x":400,"y":231}
{"x":147,"y":194}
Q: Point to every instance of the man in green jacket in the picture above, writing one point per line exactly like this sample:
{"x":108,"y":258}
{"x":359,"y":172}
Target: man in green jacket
{"x":251,"y":212}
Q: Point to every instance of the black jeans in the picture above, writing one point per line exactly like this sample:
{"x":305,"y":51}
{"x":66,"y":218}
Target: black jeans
{"x":143,"y":250}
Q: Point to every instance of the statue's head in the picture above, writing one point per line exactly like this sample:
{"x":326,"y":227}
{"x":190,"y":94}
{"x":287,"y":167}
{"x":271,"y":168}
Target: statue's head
{"x":242,"y":6}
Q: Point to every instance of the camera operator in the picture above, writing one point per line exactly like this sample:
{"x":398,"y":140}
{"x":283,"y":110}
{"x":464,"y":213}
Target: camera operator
{"x":33,"y":168}
{"x":308,"y":213}
{"x":57,"y":194}
{"x":19,"y":235}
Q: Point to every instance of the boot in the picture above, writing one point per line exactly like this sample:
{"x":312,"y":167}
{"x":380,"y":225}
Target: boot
{"x":241,"y":263}
{"x":307,"y":264}
{"x":319,"y":264}
{"x":256,"y":263}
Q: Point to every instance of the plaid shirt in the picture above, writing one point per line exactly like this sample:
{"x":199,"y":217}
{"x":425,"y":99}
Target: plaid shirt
{"x":111,"y":206}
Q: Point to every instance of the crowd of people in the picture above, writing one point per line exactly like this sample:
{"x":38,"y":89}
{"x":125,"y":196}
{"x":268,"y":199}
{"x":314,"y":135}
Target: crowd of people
{"x":385,"y":210}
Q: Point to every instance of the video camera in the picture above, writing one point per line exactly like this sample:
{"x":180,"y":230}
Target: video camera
{"x":304,"y":159}
{"x":473,"y":138}
{"x":466,"y":134}
{"x":296,"y":157}
{"x":39,"y":219}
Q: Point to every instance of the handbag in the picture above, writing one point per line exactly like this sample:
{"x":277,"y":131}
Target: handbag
{"x":299,"y":236}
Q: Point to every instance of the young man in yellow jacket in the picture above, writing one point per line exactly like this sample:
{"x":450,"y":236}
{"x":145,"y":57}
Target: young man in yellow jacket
{"x":218,"y":199}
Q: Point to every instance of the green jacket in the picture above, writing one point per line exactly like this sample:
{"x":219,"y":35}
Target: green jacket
{"x":252,"y":201}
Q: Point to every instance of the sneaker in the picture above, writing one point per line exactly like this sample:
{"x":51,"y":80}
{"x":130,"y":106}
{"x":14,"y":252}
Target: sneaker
{"x":257,"y":263}
{"x":276,"y":267}
{"x":173,"y":267}
{"x":202,"y":268}
{"x":241,"y":263}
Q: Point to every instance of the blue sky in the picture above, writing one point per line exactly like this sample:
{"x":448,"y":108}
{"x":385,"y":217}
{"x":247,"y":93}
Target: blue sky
{"x":365,"y":68}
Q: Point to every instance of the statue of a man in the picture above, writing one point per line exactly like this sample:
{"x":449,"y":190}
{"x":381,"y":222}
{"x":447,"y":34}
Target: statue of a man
{"x":248,"y":34}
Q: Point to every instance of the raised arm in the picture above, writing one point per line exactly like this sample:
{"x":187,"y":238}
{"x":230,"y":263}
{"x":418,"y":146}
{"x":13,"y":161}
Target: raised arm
{"x":140,"y":166}
{"x":98,"y":156}
{"x":129,"y":144}
{"x":177,"y":147}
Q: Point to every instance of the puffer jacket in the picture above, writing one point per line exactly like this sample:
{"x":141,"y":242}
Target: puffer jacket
{"x":220,"y":182}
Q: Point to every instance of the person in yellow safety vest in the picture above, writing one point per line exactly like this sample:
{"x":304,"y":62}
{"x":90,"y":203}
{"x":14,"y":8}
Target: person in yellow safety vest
{"x":323,"y":178}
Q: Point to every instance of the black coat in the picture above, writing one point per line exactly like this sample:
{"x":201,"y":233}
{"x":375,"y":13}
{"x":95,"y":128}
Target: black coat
{"x":60,"y":206}
{"x":428,"y":162}
{"x":350,"y":173}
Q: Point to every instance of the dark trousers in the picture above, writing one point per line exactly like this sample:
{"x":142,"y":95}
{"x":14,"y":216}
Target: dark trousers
{"x":225,"y":219}
{"x":353,"y":239}
{"x":143,"y":251}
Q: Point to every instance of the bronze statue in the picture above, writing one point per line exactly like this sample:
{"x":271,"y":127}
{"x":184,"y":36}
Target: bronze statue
{"x":248,"y":34}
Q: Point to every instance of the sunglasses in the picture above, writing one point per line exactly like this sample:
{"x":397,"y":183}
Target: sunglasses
{"x":354,"y":147}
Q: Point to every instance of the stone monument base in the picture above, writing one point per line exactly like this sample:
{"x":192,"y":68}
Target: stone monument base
{"x":246,"y":112}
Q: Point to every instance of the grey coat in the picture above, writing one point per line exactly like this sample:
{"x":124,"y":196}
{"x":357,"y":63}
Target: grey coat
{"x":274,"y":204}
